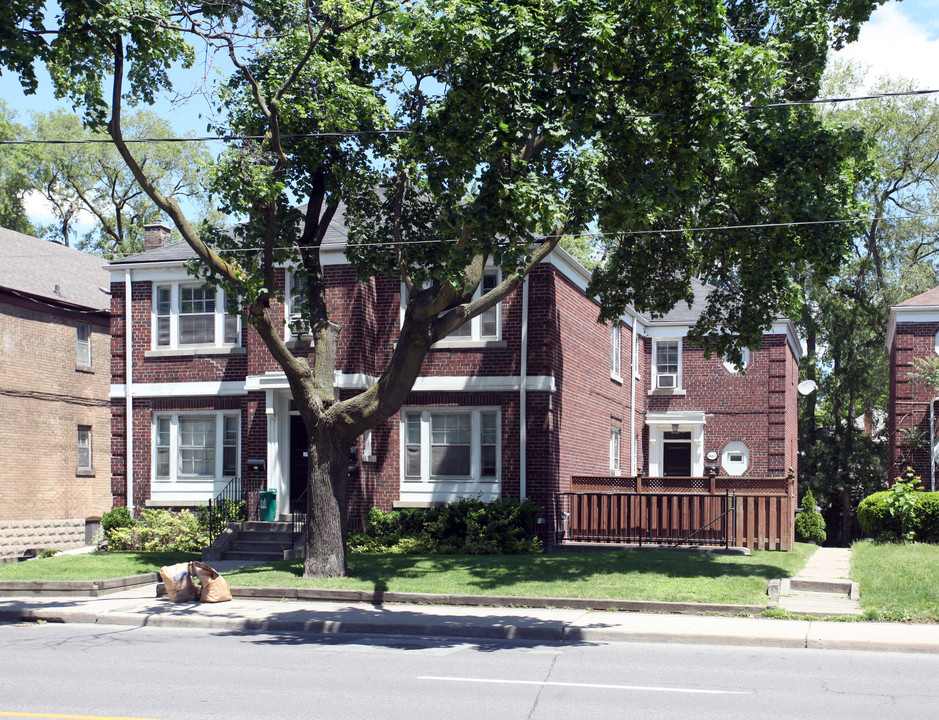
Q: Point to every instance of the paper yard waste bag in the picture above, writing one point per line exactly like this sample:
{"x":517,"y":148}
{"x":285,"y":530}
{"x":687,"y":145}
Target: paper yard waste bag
{"x":214,"y":586}
{"x":178,"y":581}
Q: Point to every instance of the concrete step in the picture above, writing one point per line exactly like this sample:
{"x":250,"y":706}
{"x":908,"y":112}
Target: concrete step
{"x":252,"y":555}
{"x":259,"y":526}
{"x":278,"y":537}
{"x":842,"y":587}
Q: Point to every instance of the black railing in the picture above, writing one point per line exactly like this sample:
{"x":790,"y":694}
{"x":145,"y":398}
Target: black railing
{"x":646,"y":518}
{"x":228,"y":506}
{"x":298,"y":512}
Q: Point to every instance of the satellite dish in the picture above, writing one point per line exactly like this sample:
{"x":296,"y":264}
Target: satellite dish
{"x":807,"y":387}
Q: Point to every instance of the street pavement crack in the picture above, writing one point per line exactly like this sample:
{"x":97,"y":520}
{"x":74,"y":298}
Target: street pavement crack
{"x":547,"y":678}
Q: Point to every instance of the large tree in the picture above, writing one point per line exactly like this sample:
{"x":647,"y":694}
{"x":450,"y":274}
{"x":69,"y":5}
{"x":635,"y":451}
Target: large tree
{"x":86,"y":176}
{"x":522,"y":121}
{"x":844,"y":318}
{"x":14,"y":183}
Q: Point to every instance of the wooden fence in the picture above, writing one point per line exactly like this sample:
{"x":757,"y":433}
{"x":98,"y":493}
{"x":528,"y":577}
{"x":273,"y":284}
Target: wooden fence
{"x":753,"y":512}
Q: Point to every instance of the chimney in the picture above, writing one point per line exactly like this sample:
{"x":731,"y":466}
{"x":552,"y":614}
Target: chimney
{"x":155,"y":236}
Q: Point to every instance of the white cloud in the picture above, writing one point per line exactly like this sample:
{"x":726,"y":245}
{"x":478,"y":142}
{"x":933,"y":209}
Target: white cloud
{"x":40,"y":212}
{"x":901,"y":41}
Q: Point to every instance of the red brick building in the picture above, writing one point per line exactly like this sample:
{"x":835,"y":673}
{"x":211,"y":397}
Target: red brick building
{"x":55,"y":417}
{"x":913,"y":332}
{"x":526,"y":396}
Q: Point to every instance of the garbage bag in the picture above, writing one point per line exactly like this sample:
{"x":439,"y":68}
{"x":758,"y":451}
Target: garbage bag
{"x":178,"y":581}
{"x":214,"y":586}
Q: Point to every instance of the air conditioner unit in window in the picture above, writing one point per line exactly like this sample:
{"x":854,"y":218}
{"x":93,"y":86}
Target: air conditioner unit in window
{"x":667,"y":380}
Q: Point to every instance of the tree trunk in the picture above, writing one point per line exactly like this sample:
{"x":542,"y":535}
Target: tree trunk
{"x":327,"y":504}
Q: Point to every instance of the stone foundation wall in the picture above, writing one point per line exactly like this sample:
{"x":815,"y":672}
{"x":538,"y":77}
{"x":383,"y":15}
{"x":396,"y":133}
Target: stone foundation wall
{"x":17,"y":536}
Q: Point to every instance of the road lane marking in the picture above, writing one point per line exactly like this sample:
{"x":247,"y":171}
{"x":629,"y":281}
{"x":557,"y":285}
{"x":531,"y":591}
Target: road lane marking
{"x":60,"y":716}
{"x":595,"y":686}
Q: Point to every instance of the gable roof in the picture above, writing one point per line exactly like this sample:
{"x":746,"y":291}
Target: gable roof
{"x":336,"y":238}
{"x":930,"y":298}
{"x":52,"y":272}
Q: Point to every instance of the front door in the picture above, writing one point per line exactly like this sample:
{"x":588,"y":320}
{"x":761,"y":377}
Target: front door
{"x":299,"y":463}
{"x":676,"y":454}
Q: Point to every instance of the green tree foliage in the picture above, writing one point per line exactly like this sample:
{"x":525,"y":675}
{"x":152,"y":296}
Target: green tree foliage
{"x":523,"y":121}
{"x":844,"y":318}
{"x":93,"y":179}
{"x":14,"y":183}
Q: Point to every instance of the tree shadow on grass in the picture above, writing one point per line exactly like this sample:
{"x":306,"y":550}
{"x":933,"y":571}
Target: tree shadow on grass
{"x":602,"y":575}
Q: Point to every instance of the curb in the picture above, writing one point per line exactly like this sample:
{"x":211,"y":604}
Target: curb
{"x":81,"y":588}
{"x":369,"y":597}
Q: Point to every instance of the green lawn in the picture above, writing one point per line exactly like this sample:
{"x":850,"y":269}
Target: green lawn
{"x":668,"y":576}
{"x":92,"y":566}
{"x":898,"y":582}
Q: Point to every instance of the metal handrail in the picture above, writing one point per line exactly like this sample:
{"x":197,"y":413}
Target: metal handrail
{"x":298,"y":517}
{"x":228,"y":506}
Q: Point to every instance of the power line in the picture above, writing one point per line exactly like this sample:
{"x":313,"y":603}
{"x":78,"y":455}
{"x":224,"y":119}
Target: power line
{"x":207,"y":138}
{"x":399,"y":131}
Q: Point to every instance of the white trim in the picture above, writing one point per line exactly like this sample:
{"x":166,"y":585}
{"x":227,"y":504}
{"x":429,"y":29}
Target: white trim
{"x":443,"y":383}
{"x":128,"y":389}
{"x":654,"y":373}
{"x":679,"y":417}
{"x":735,"y":448}
{"x":166,"y":486}
{"x":687,"y":421}
{"x":747,"y":360}
{"x":180,"y":389}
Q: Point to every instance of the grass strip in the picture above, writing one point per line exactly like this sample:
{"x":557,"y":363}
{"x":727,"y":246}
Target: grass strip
{"x":898,"y":582}
{"x":647,"y":575}
{"x":92,"y":566}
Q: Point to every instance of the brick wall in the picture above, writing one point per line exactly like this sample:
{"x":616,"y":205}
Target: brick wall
{"x":909,"y":400}
{"x":44,"y":397}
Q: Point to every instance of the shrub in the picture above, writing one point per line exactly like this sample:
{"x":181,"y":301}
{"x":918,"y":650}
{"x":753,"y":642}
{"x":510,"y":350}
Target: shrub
{"x":160,"y":530}
{"x":810,"y":526}
{"x":901,"y":513}
{"x":118,"y":517}
{"x":469,"y":526}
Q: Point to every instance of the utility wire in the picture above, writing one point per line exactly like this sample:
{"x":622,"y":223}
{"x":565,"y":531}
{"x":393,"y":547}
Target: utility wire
{"x":399,"y":131}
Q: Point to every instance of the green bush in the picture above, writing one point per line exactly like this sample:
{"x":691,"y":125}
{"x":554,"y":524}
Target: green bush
{"x":160,"y":530}
{"x":810,"y":525}
{"x":901,"y":513}
{"x":467,"y":526}
{"x":118,"y":517}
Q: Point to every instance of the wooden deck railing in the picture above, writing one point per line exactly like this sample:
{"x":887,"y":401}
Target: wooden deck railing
{"x":615,"y":509}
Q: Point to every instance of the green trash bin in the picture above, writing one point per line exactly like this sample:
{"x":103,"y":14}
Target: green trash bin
{"x":267,"y":505}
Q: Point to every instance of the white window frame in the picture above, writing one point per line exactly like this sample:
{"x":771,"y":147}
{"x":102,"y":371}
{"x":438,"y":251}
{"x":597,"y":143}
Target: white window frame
{"x":615,"y":445}
{"x":679,"y":380}
{"x":474,"y":334}
{"x":616,"y":350}
{"x":291,"y":315}
{"x":84,"y":443}
{"x":83,"y":345}
{"x":173,"y":445}
{"x":731,"y":368}
{"x":730,"y":464}
{"x":476,"y":421}
{"x":175,"y":303}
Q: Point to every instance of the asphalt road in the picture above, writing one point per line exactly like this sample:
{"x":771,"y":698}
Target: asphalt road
{"x":67,"y":671}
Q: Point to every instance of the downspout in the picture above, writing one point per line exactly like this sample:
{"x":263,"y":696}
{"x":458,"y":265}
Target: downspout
{"x":523,"y":400}
{"x":932,"y":444}
{"x":129,"y":388}
{"x":633,"y":370}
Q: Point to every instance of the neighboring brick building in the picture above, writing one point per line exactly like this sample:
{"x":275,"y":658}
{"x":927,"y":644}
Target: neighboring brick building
{"x":913,"y":332}
{"x":528,"y":395}
{"x":55,"y":418}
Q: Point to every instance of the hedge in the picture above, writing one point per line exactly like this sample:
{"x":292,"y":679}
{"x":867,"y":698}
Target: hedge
{"x":875,"y":519}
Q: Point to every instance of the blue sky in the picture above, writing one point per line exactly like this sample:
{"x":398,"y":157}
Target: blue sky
{"x":901,"y":39}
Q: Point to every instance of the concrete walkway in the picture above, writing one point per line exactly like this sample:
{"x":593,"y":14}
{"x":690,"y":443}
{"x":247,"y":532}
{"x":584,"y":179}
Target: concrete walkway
{"x":823,"y":588}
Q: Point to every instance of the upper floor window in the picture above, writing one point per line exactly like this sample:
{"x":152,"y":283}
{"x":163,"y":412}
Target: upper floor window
{"x":745,"y":357}
{"x":615,"y":348}
{"x":196,"y":446}
{"x":485,"y":326}
{"x":297,"y":323}
{"x":191,"y":315}
{"x":667,"y":364}
{"x":458,"y":444}
{"x":83,"y":345}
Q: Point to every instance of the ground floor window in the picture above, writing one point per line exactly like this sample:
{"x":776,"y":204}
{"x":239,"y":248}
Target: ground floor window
{"x":453,"y":444}
{"x":196,"y":445}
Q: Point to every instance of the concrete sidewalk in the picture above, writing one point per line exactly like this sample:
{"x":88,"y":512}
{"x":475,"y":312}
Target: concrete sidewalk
{"x":140,"y":608}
